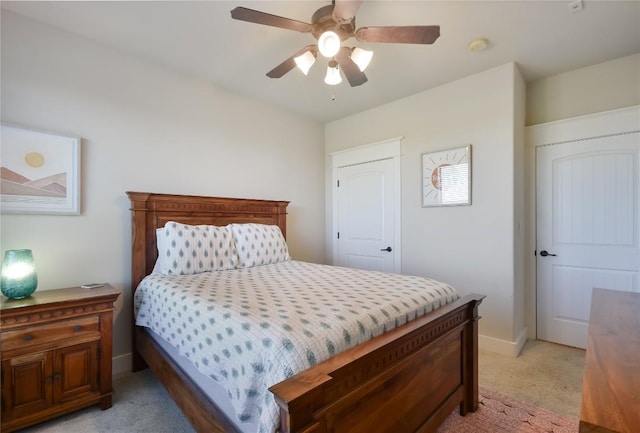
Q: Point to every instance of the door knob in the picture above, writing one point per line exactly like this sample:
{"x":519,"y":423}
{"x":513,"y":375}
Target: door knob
{"x":545,"y":253}
{"x":388,"y":249}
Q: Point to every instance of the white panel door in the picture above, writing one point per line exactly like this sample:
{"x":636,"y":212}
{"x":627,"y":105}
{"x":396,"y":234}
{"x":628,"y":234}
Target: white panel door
{"x":588,"y":213}
{"x":366,"y":201}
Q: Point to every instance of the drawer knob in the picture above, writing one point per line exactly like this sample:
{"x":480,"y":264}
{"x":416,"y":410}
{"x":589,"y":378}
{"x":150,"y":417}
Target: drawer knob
{"x":76,"y":328}
{"x":28,"y":338}
{"x":57,"y":377}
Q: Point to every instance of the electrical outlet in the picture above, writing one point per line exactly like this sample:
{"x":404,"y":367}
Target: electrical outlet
{"x":575,"y":6}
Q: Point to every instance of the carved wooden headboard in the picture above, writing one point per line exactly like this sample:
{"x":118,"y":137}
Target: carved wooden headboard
{"x":150,"y":211}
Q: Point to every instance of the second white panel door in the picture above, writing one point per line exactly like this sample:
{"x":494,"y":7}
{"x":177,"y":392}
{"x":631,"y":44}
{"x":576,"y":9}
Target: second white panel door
{"x":366,"y":209}
{"x":588,"y":222}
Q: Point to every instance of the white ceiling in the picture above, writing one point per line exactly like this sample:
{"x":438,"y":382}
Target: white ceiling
{"x":200,"y":39}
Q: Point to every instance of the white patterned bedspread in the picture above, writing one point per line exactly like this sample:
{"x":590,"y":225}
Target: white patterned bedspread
{"x":251,"y":328}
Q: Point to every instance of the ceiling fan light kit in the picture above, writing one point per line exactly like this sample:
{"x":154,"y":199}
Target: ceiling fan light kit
{"x":329,"y":44}
{"x":333,"y":76}
{"x":331,"y":25}
{"x":305,"y":61}
{"x":361,"y":57}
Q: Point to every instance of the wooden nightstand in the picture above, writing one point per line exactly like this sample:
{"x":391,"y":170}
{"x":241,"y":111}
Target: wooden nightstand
{"x":55,"y":348}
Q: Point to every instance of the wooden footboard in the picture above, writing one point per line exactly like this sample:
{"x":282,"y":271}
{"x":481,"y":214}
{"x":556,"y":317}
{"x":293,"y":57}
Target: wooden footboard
{"x":407,"y":380}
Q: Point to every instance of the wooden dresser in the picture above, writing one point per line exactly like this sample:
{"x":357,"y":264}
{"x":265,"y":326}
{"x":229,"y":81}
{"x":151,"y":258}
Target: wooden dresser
{"x":611,"y":383}
{"x":56,"y":349}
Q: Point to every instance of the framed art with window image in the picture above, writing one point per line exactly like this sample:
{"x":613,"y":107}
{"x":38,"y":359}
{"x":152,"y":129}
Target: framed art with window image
{"x":446,"y":177}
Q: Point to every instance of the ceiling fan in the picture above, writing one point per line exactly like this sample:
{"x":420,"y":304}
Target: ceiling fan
{"x":331,"y":25}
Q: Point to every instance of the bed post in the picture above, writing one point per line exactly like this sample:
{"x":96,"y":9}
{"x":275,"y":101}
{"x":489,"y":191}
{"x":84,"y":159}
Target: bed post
{"x":470,"y":360}
{"x":138,"y":261}
{"x":282,"y":217}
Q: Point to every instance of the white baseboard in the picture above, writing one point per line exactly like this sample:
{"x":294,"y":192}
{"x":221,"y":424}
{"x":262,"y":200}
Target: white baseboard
{"x":504,"y":347}
{"x":121,"y":364}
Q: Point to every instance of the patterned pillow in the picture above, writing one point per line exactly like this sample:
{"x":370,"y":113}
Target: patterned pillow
{"x":259,"y":244}
{"x":185,"y":249}
{"x":225,"y":254}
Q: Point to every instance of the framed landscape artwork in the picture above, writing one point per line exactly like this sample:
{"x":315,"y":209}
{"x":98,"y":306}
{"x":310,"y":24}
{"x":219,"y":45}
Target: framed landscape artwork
{"x":446,"y":177}
{"x":40,"y":172}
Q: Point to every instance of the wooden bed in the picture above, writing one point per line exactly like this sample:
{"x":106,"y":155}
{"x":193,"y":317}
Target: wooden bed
{"x":406,"y":380}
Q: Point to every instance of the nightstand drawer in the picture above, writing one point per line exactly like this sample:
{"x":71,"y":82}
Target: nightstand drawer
{"x":75,"y":330}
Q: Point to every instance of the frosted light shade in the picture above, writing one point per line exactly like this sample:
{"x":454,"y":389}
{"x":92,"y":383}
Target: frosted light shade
{"x":333,"y":74}
{"x":329,"y":44}
{"x":18,"y":279}
{"x":361,"y":57}
{"x":305,"y":61}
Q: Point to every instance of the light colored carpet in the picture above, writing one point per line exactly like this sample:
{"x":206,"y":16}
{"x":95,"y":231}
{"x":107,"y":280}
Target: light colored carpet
{"x":545,"y":375}
{"x":140,"y":405}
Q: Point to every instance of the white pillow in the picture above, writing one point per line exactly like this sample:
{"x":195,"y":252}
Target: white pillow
{"x":185,"y":249}
{"x":259,"y":244}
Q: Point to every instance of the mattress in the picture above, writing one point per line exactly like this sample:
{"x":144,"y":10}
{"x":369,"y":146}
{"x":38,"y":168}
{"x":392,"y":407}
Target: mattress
{"x":250,"y":328}
{"x":212,"y":389}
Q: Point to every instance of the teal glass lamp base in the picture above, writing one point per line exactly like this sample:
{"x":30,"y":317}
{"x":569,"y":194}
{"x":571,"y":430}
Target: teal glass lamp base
{"x":19,"y":279}
{"x":18,"y":292}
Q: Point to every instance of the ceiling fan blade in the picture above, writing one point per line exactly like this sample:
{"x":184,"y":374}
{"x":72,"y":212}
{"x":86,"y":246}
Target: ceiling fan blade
{"x":290,"y":63}
{"x":353,"y":73}
{"x":253,"y":16}
{"x":345,"y":10}
{"x":399,"y":34}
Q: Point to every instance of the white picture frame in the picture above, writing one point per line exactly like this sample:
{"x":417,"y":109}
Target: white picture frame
{"x":40,"y":171}
{"x":446,"y":177}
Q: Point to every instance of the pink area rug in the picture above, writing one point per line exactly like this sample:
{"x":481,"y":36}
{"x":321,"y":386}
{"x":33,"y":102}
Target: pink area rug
{"x":498,"y":413}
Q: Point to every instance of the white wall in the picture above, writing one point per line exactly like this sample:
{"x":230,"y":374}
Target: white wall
{"x":519,"y":215}
{"x":593,"y":89}
{"x":145,"y":128}
{"x":471,"y":247}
